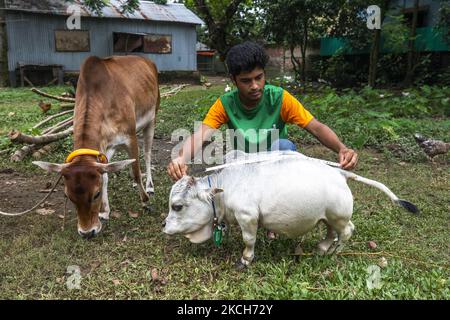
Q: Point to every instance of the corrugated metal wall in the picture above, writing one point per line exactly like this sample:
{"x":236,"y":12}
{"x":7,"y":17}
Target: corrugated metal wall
{"x":31,"y":40}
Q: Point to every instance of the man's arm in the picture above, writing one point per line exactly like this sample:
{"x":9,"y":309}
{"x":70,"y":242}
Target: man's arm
{"x":348,"y":158}
{"x":177,"y":168}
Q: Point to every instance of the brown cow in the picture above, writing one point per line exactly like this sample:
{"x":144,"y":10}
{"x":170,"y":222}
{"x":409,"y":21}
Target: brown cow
{"x":116,"y":97}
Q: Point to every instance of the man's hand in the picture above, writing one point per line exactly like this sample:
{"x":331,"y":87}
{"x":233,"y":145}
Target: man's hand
{"x":177,"y":168}
{"x":348,"y":158}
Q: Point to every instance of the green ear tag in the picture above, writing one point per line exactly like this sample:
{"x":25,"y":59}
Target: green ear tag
{"x":217,"y":235}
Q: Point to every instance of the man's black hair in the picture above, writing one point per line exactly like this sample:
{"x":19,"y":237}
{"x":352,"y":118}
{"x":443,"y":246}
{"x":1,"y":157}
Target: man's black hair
{"x":246,"y":57}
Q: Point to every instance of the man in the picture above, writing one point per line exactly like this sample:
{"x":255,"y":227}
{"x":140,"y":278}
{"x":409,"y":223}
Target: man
{"x":255,"y":105}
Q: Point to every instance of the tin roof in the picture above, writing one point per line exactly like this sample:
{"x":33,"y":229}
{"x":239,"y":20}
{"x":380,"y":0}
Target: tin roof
{"x":147,"y":10}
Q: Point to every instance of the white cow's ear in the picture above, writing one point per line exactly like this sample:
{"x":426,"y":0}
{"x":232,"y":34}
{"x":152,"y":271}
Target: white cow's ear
{"x":114,"y":166}
{"x":50,"y":167}
{"x":215,"y":191}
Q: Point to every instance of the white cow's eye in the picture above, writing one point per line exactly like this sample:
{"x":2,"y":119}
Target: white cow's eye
{"x":177,"y":207}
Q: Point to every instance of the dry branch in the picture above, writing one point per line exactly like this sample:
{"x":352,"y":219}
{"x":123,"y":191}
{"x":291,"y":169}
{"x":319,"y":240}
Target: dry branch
{"x":23,"y":152}
{"x":173,"y":91}
{"x":52,"y":96}
{"x":17,"y":137}
{"x":51,"y":118}
{"x":60,"y":125}
{"x":44,"y":150}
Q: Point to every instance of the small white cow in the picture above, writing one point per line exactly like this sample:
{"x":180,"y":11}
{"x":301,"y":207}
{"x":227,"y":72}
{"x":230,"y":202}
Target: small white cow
{"x":288,"y":195}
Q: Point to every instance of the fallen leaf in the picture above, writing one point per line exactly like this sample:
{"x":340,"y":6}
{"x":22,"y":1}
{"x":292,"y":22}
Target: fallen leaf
{"x":372,"y":245}
{"x":11,"y":114}
{"x":45,"y":212}
{"x":61,"y":216}
{"x":124,"y":238}
{"x":116,"y":282}
{"x":133,"y":214}
{"x":115,"y":214}
{"x":382,"y":263}
{"x":155,"y":276}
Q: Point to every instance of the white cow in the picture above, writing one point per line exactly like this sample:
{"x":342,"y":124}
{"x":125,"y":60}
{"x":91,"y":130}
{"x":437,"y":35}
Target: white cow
{"x":287,"y":194}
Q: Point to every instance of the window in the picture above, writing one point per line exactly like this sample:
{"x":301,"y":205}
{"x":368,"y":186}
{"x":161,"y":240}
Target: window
{"x":72,"y":41}
{"x":421,"y":16}
{"x":141,"y":42}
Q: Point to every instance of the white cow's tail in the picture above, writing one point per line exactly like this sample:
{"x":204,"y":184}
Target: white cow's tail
{"x":402,"y":203}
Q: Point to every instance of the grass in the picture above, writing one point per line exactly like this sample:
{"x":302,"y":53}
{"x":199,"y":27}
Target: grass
{"x":118,"y":264}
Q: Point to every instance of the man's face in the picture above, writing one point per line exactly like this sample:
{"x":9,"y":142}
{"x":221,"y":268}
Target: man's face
{"x":250,"y":85}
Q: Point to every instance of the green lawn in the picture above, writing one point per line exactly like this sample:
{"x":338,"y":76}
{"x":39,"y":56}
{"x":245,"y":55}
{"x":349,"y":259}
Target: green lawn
{"x":118,"y":264}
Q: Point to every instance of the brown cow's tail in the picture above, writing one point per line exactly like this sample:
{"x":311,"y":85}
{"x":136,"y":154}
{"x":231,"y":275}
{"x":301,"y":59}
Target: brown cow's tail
{"x":402,"y":203}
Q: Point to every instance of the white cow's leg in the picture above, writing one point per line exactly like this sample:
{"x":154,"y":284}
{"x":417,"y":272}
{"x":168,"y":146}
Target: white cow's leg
{"x":148,"y":133}
{"x":343,"y":235}
{"x":249,"y":227}
{"x":105,"y":210}
{"x":324,"y":245}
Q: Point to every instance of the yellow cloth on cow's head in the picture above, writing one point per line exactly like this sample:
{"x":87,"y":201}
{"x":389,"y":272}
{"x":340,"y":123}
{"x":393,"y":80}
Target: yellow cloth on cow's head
{"x":87,"y":152}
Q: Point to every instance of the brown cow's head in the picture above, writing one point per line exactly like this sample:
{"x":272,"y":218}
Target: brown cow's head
{"x":83,"y":186}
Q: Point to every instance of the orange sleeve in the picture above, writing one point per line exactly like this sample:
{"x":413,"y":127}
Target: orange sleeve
{"x":292,"y":111}
{"x":216,"y":115}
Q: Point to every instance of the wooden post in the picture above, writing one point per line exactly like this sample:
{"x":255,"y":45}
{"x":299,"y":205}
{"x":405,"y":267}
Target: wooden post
{"x":3,"y":47}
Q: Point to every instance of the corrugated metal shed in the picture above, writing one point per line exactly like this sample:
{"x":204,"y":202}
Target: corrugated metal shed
{"x":147,"y":10}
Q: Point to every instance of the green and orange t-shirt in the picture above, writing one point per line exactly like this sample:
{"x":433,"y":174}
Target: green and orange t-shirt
{"x":253,"y":128}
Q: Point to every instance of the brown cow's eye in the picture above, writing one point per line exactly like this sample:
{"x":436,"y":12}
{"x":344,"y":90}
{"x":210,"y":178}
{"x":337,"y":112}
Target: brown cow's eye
{"x":97,"y":195}
{"x":177,"y":207}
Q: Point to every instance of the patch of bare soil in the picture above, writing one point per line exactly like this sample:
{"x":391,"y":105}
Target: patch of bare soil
{"x":21,"y":191}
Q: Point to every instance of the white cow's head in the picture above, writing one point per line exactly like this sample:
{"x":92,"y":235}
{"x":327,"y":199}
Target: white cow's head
{"x":190,"y":210}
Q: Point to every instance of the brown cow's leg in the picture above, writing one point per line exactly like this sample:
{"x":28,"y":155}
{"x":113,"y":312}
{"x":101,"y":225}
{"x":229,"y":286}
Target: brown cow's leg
{"x":133,"y":153}
{"x":149,"y":132}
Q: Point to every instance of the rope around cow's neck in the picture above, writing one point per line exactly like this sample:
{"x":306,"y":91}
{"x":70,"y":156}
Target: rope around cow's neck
{"x":39,"y":203}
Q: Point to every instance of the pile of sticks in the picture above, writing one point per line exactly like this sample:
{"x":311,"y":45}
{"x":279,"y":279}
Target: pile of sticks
{"x":46,"y":142}
{"x":43,"y":144}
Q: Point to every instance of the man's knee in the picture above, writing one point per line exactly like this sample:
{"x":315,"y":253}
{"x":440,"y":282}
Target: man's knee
{"x":283,"y":144}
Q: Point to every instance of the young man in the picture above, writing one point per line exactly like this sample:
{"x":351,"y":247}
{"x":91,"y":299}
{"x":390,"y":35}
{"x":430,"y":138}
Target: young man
{"x":255,"y":105}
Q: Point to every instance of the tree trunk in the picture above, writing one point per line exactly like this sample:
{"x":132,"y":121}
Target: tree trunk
{"x":303,"y":50}
{"x":3,"y":47}
{"x":374,"y":58}
{"x":375,"y":48}
{"x":411,"y":50}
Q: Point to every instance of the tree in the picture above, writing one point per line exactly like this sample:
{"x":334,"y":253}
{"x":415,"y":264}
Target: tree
{"x":411,"y":51}
{"x":295,"y":23}
{"x":444,"y":19}
{"x":3,"y":47}
{"x":128,"y":6}
{"x":221,"y":18}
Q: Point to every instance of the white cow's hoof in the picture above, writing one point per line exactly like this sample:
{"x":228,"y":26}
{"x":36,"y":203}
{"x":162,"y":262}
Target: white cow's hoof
{"x":240,"y":266}
{"x":150,"y":191}
{"x":335,"y":248}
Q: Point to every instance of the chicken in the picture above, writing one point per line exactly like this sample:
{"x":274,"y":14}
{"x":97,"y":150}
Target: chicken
{"x":44,"y":106}
{"x":432,"y":147}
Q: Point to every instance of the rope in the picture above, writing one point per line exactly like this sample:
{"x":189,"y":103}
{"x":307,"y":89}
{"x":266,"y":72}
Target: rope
{"x":29,"y":210}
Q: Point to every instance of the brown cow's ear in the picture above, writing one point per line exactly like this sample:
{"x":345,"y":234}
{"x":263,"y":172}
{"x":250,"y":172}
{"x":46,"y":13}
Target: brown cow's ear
{"x":114,"y":166}
{"x":50,"y":167}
